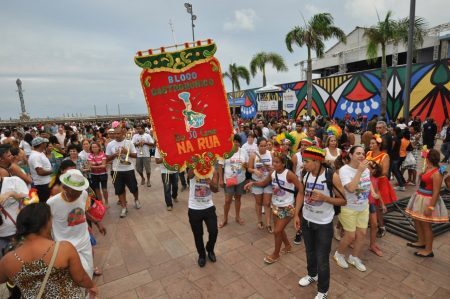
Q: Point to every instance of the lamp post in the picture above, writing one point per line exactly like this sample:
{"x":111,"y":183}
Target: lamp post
{"x":193,"y":17}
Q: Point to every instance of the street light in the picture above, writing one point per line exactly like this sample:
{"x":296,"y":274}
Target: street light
{"x":193,"y":17}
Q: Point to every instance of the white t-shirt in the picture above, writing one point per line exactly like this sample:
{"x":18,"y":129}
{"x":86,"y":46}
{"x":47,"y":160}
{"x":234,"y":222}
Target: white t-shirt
{"x":233,"y":167}
{"x":35,"y":160}
{"x":250,"y":148}
{"x":329,"y":157}
{"x":299,"y":167}
{"x":319,"y":212}
{"x":113,"y":147}
{"x":266,"y":133}
{"x":281,"y":197}
{"x":358,"y":200}
{"x":162,"y":168}
{"x":83,"y":155}
{"x":26,"y":147}
{"x":262,"y":164}
{"x":61,"y":138}
{"x":145,"y":148}
{"x":69,"y":224}
{"x":200,"y":195}
{"x":11,"y":205}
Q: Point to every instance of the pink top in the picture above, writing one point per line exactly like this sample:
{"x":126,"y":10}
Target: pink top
{"x":97,"y":160}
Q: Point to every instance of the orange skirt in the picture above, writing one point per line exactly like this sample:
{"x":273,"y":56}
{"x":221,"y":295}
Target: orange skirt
{"x":387,"y":193}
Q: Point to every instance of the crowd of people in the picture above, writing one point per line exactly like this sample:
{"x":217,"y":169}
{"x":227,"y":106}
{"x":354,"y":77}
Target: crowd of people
{"x":299,"y":169}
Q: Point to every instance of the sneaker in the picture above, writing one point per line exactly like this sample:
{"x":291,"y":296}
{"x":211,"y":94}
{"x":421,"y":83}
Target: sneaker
{"x":356,"y":261}
{"x":398,"y":188}
{"x":381,"y":232}
{"x":175,"y":199}
{"x":307,"y":280}
{"x":183,"y":188}
{"x":336,"y":233}
{"x":123,"y":213}
{"x":411,"y":184}
{"x":298,"y":238}
{"x":137,"y":204}
{"x":321,"y":295}
{"x":340,"y":260}
{"x":169,"y":208}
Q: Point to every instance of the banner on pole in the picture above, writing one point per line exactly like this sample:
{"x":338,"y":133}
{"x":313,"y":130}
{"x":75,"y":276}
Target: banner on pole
{"x":188,"y":107}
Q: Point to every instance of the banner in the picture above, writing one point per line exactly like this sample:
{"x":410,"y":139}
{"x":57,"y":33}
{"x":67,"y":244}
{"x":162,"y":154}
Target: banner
{"x":187,"y":104}
{"x":289,"y":101}
{"x":268,"y":101}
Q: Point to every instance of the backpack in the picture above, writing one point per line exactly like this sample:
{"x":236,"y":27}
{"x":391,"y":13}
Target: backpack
{"x":329,"y":172}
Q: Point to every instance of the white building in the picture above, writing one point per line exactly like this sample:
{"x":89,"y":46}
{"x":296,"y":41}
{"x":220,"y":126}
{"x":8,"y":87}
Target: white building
{"x":351,"y":57}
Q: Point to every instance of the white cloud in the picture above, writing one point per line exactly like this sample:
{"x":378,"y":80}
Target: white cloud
{"x":312,"y":9}
{"x":244,"y":19}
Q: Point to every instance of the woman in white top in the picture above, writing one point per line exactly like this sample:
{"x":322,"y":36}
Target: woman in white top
{"x":284,"y":182}
{"x":331,"y":149}
{"x":260,"y":165}
{"x":354,"y":217}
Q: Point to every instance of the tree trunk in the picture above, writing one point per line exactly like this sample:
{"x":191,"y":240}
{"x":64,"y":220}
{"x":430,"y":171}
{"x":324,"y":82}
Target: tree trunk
{"x":309,"y":86}
{"x":234,"y":100}
{"x":264,"y":76}
{"x":383,"y":81}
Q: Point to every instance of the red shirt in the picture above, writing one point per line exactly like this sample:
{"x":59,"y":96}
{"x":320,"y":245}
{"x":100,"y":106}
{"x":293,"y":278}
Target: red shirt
{"x":97,"y":160}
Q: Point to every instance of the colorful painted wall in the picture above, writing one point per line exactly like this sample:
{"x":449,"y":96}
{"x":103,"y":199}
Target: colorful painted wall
{"x":360,"y":93}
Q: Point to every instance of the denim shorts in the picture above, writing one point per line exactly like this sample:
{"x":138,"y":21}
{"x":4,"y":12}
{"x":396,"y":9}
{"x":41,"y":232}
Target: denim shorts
{"x":235,"y":190}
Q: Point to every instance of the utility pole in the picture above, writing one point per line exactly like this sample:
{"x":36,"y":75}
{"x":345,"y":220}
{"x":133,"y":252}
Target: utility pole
{"x":409,"y":54}
{"x":173,"y":33}
{"x":95,"y":111}
{"x":107,"y":114}
{"x":193,"y":17}
{"x":118,"y":108}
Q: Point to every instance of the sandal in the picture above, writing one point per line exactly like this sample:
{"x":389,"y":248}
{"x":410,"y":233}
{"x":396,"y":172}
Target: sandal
{"x":376,"y":251}
{"x":240,"y":221}
{"x":413,"y":245}
{"x":269,"y":260}
{"x":286,"y":250}
{"x":97,"y":272}
{"x":222,"y":224}
{"x":260,"y":225}
{"x":269,"y":229}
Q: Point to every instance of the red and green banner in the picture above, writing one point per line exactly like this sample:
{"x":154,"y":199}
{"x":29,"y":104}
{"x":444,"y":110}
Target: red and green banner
{"x":187,"y":104}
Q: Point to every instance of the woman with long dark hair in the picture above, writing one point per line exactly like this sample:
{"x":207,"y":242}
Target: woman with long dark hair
{"x":27,"y":265}
{"x":426,"y":206}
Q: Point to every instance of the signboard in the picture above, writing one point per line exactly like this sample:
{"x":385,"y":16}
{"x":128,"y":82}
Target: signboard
{"x":289,"y":101}
{"x":268,"y":101}
{"x":236,"y":102}
{"x":188,"y":108}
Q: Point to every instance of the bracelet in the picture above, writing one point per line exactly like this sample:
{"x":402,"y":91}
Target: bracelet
{"x":430,"y":208}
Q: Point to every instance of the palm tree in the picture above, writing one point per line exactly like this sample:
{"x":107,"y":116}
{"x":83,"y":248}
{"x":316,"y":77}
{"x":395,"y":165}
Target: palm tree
{"x":317,"y":30}
{"x":390,"y":31}
{"x":260,"y":60}
{"x":234,"y":73}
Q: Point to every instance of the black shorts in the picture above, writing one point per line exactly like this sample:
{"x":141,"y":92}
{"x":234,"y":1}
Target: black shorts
{"x":125,"y":178}
{"x":99,"y":181}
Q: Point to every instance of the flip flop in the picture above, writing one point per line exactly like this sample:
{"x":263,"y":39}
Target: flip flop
{"x":269,"y":260}
{"x":222,"y":224}
{"x":97,"y":272}
{"x":286,"y":250}
{"x":260,"y":225}
{"x":423,"y":255}
{"x":240,"y":221}
{"x":269,"y":229}
{"x":376,"y":251}
{"x":410,"y":244}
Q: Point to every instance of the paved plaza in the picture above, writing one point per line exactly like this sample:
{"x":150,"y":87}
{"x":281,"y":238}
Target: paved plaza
{"x":151,"y":254}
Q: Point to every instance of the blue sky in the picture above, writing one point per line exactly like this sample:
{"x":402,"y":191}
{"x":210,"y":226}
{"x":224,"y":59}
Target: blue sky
{"x":71,"y":55}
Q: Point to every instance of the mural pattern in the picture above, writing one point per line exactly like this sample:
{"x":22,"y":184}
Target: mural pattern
{"x":360,"y":93}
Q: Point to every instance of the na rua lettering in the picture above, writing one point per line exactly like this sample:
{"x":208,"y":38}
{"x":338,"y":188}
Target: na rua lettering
{"x":200,"y":144}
